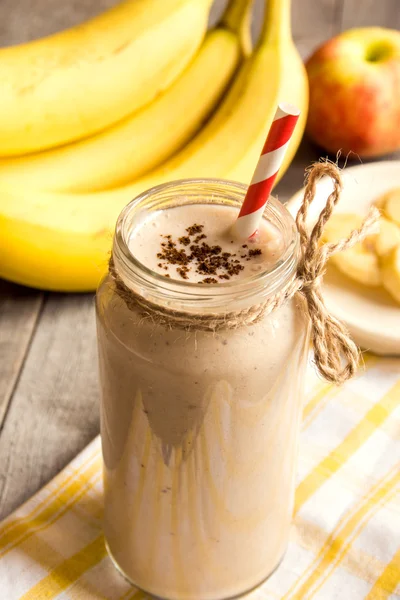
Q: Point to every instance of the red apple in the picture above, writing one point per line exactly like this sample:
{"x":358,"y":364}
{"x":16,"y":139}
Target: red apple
{"x":355,"y":92}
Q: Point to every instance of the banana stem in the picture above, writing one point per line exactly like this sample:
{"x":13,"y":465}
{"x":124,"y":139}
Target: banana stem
{"x":237,"y":18}
{"x":277,"y":22}
{"x":235,"y":13}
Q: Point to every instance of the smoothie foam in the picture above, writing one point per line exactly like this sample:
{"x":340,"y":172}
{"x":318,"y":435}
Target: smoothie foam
{"x":186,"y":241}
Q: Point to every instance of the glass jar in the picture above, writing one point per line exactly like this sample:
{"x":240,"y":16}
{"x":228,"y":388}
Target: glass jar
{"x":199,"y":426}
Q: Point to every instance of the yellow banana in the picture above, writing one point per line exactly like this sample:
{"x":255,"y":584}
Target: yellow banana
{"x":238,"y":18}
{"x":375,"y":260}
{"x":284,"y":80}
{"x":360,"y":262}
{"x":143,"y":140}
{"x":391,"y":273}
{"x":391,"y":205}
{"x":388,"y":237}
{"x":75,"y":83}
{"x":61,"y":241}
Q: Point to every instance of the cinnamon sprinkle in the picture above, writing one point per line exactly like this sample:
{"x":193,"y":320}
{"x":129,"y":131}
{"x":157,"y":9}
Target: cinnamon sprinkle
{"x":201,"y":257}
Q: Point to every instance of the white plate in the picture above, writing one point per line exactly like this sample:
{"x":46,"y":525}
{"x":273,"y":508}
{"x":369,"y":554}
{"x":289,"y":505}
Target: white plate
{"x":372,"y":316}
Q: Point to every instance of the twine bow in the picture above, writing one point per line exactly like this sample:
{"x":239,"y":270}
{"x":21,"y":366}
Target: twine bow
{"x":336,"y":355}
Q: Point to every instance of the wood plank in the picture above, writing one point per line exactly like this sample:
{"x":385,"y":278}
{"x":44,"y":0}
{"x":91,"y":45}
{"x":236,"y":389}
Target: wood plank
{"x":314,"y":22}
{"x":310,"y":20}
{"x":217,"y":11}
{"x":54,"y":411}
{"x":22,"y":20}
{"x":15,"y":28}
{"x":384,"y":13}
{"x":19,"y":312}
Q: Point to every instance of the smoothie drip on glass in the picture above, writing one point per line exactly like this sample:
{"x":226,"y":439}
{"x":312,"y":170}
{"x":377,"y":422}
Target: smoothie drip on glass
{"x":201,"y":392}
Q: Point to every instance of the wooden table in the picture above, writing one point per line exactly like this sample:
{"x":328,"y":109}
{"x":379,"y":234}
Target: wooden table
{"x":49,"y":390}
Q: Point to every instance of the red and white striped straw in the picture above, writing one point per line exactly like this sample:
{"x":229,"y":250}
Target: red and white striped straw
{"x":269,"y":163}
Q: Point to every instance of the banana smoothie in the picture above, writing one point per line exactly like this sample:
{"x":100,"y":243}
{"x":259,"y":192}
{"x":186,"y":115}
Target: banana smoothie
{"x":201,"y":392}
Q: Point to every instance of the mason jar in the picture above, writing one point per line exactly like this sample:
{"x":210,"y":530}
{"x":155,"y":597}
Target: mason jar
{"x":200,"y":411}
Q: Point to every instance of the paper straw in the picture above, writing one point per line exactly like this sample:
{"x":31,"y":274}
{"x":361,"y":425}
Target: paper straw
{"x":269,"y":163}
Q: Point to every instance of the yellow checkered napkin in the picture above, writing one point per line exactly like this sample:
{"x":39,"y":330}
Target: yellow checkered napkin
{"x":346,"y":534}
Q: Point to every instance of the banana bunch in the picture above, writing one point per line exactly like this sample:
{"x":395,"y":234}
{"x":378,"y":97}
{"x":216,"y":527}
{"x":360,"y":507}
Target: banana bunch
{"x":390,"y":267}
{"x":142,"y":140}
{"x":58,"y":208}
{"x":77,"y":82}
{"x":376,"y":260}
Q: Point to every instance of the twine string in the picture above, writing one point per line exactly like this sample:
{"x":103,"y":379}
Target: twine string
{"x":336,"y":355}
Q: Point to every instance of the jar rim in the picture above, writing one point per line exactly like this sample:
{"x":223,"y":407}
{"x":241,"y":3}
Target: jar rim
{"x":161,"y":289}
